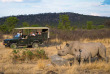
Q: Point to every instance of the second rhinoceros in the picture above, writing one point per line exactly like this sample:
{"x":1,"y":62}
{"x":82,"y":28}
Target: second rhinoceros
{"x":84,"y":50}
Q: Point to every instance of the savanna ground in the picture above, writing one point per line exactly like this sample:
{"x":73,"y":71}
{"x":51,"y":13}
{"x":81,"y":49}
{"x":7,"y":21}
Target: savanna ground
{"x":44,"y":66}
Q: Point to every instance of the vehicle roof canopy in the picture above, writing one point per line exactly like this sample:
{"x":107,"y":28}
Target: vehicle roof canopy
{"x":32,"y":28}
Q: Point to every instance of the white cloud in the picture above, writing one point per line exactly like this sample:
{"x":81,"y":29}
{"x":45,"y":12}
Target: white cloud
{"x":95,"y":14}
{"x":87,"y":7}
{"x":11,"y":0}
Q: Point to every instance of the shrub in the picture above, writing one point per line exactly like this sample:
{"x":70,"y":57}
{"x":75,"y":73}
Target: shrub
{"x":80,"y":34}
{"x":15,"y":54}
{"x":41,"y":54}
{"x":101,"y":26}
{"x":24,"y":54}
{"x":15,"y":51}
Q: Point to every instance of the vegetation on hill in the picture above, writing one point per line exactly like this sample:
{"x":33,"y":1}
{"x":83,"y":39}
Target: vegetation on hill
{"x":9,"y":25}
{"x":52,"y":19}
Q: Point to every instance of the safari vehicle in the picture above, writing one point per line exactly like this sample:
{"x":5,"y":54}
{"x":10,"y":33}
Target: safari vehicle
{"x":26,"y":39}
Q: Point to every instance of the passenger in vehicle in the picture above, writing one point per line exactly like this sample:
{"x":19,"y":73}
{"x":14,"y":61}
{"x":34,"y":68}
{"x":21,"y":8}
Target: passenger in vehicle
{"x":32,"y":34}
{"x":36,"y":33}
{"x":19,"y":34}
{"x":39,"y":33}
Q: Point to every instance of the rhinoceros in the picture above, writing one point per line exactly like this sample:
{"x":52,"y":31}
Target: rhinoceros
{"x":84,"y":50}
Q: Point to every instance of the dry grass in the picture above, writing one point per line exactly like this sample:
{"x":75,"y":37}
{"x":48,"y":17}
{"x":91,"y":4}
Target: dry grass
{"x":7,"y":36}
{"x":43,"y":66}
{"x":97,"y":66}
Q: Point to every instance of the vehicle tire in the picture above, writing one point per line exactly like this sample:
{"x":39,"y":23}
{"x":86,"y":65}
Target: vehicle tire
{"x":13,"y":46}
{"x":35,"y":45}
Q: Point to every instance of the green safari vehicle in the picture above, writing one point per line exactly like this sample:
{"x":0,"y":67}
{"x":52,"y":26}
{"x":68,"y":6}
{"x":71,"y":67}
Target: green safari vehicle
{"x":28,"y":36}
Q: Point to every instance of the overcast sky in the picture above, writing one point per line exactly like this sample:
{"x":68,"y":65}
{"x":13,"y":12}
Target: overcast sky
{"x":87,"y":7}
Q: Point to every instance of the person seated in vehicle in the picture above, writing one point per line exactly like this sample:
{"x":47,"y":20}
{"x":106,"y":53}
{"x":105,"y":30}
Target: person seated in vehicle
{"x":24,"y":36}
{"x":32,"y":34}
{"x":19,"y":34}
{"x":36,"y":33}
{"x":39,"y":33}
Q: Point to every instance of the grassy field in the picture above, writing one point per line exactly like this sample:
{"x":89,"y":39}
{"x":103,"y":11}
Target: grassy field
{"x":44,"y":66}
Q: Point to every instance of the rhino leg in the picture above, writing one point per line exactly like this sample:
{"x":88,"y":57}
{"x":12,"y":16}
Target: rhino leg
{"x":82,"y":61}
{"x":75,"y":60}
{"x":102,"y":55}
{"x":106,"y":59}
{"x":90,"y":58}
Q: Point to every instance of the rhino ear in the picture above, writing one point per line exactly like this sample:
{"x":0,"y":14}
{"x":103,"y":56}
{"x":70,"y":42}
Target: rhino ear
{"x":67,"y":44}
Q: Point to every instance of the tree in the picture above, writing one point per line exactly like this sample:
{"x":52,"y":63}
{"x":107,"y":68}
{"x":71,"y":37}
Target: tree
{"x":101,"y":26}
{"x":64,"y":22}
{"x":36,"y":25}
{"x":11,"y":22}
{"x":25,"y":24}
{"x":4,"y":28}
{"x":89,"y":25}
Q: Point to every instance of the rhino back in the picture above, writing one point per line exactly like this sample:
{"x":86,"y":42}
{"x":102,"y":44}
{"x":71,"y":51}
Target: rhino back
{"x":91,"y":47}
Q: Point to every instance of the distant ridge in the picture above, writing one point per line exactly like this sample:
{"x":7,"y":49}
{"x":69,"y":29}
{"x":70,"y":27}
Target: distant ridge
{"x":52,"y":19}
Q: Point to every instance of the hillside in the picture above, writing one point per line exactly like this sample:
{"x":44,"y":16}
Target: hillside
{"x":52,"y":19}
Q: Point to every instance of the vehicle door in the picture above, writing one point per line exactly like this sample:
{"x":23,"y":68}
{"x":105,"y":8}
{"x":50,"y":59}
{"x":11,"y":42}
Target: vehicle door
{"x":23,"y":40}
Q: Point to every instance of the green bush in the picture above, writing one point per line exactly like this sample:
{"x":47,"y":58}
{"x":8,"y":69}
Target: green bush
{"x":24,"y":54}
{"x":15,"y":51}
{"x":41,"y":54}
{"x":101,"y":26}
{"x":15,"y":54}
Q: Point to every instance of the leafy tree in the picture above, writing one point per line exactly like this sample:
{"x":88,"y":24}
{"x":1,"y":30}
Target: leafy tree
{"x":4,"y":28}
{"x":25,"y":24}
{"x":64,"y":22}
{"x":83,"y":27}
{"x":101,"y":26}
{"x":36,"y":25}
{"x":89,"y":25}
{"x":11,"y":22}
{"x":94,"y":27}
{"x":60,"y":26}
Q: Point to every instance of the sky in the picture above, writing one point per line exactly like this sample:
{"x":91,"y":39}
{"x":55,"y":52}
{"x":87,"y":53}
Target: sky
{"x":25,"y":7}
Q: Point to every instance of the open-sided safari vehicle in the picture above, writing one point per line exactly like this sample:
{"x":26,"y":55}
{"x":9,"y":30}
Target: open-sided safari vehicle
{"x":28,"y":36}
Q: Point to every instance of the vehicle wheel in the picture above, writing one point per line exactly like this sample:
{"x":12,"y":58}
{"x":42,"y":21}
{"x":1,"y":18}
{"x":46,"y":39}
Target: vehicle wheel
{"x":35,"y":45}
{"x":13,"y":46}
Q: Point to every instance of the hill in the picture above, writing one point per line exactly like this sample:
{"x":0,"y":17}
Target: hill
{"x":53,"y":18}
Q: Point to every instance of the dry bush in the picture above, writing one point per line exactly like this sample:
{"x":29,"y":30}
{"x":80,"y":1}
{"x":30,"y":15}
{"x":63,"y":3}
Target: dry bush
{"x":79,"y":34}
